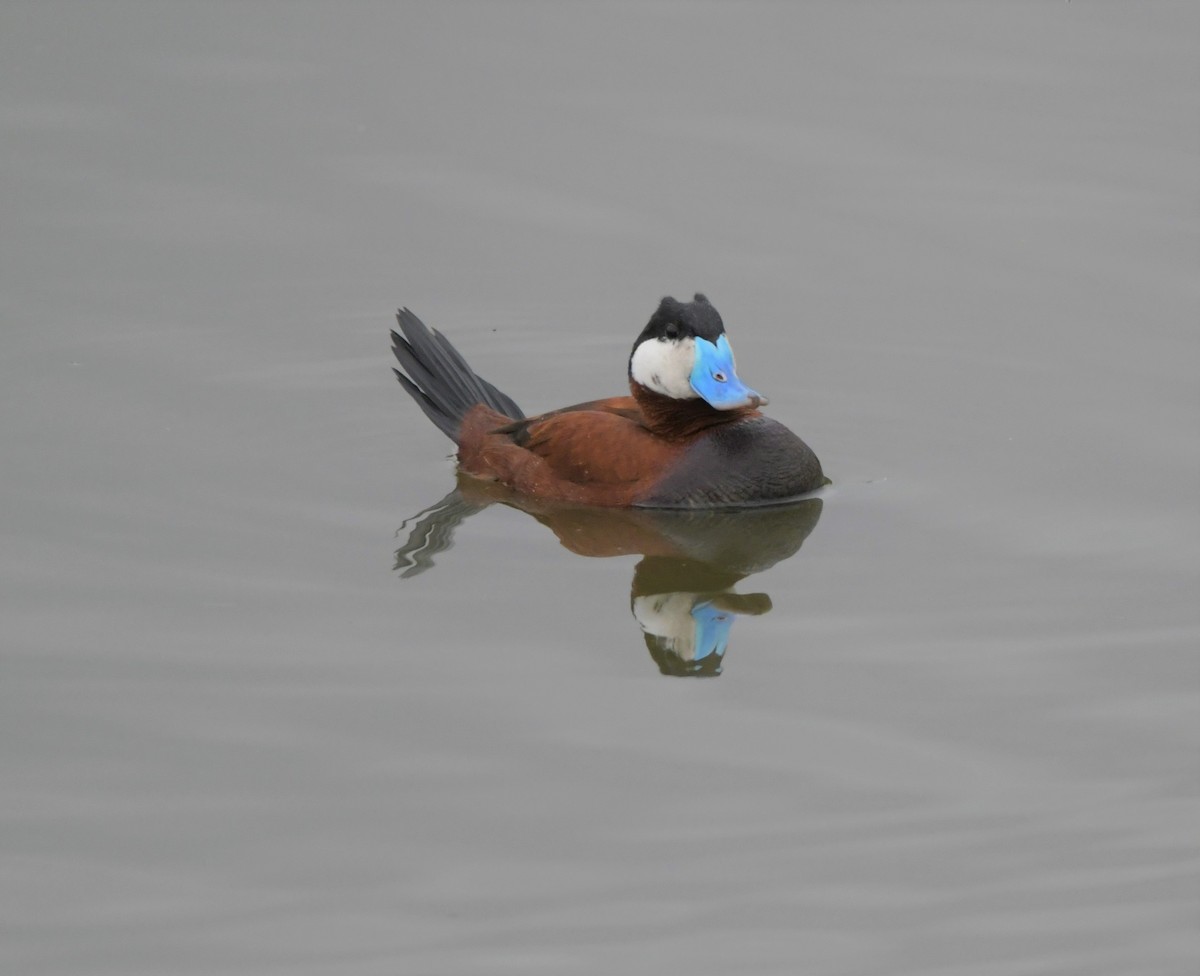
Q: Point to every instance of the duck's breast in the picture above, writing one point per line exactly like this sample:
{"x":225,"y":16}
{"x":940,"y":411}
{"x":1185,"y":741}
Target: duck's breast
{"x":756,"y":461}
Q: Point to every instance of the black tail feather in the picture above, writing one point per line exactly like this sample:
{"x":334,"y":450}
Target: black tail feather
{"x":439,"y":379}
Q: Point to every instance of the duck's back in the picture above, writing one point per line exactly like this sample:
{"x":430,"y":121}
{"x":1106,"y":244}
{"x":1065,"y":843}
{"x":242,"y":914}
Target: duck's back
{"x":753,"y":461}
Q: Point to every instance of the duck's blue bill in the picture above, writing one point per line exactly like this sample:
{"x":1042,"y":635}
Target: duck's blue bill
{"x":712,"y":629}
{"x":713,"y":377}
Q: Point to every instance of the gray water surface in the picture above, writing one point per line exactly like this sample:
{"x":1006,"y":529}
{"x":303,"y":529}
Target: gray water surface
{"x":957,"y":723}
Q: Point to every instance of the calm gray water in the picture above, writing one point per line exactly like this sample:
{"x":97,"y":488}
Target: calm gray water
{"x":957,"y":728}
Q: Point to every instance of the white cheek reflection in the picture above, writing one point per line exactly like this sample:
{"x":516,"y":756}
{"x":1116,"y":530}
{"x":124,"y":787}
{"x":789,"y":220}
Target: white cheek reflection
{"x":665,"y":367}
{"x":668,"y":616}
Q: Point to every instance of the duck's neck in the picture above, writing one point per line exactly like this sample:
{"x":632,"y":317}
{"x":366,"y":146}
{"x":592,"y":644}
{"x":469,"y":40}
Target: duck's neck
{"x":679,"y":419}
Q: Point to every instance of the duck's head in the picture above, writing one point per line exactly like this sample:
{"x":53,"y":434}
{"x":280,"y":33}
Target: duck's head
{"x":683,"y":354}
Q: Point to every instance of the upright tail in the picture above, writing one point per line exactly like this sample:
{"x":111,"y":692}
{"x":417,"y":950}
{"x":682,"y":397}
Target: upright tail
{"x":439,"y":379}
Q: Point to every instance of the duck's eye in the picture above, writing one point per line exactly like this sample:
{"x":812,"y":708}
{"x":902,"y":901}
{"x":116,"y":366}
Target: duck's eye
{"x":672,"y":330}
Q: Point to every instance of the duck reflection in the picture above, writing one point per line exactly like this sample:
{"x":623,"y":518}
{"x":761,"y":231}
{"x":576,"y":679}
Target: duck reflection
{"x":683,"y":595}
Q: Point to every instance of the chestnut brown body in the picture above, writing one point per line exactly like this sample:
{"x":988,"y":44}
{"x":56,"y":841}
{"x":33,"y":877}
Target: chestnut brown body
{"x":645,"y":450}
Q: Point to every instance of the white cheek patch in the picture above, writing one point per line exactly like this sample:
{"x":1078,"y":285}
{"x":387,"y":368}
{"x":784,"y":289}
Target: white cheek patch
{"x":668,"y":616}
{"x":665,"y":367}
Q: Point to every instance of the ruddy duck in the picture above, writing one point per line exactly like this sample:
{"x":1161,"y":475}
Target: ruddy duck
{"x":690,"y":436}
